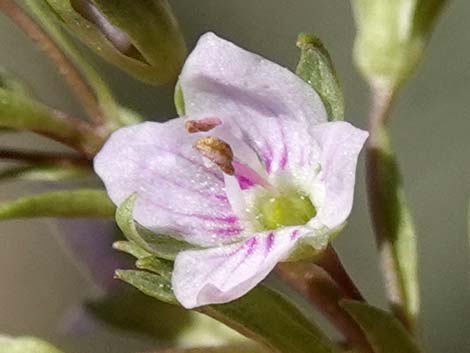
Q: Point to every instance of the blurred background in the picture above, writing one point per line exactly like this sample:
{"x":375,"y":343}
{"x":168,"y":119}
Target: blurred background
{"x":431,"y":124}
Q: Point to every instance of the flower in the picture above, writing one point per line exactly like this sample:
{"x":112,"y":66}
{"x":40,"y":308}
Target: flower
{"x":253,"y":174}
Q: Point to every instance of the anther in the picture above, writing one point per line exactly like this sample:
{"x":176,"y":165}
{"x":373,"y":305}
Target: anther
{"x":205,"y":124}
{"x":217,"y":151}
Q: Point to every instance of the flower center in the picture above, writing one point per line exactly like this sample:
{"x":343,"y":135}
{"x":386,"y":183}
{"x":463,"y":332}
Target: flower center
{"x":284,"y":209}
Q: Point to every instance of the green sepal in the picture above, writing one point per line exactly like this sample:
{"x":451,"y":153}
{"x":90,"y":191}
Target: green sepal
{"x":384,"y":332}
{"x":130,"y":248}
{"x":397,"y":236}
{"x":140,"y":37}
{"x":162,"y":246}
{"x":22,"y":113}
{"x":148,"y":283}
{"x":82,"y":203}
{"x":156,"y":265}
{"x":45,"y":173}
{"x":316,"y":68}
{"x":179,"y":100}
{"x":25,"y":345}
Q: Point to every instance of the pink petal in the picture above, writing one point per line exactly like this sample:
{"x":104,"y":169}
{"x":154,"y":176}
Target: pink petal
{"x":264,"y":104}
{"x":341,"y":144}
{"x":177,"y":193}
{"x":220,"y":275}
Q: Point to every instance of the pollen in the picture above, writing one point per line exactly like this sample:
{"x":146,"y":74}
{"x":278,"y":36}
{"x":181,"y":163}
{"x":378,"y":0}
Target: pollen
{"x":217,"y":151}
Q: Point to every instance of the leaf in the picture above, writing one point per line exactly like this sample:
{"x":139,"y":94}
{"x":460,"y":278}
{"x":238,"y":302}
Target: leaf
{"x":385,"y":333}
{"x":151,"y":284}
{"x":22,"y":113}
{"x":269,"y":318}
{"x":87,"y":203}
{"x":316,"y":68}
{"x":140,"y":37}
{"x":160,"y":245}
{"x":45,"y":172}
{"x":25,"y":345}
{"x":395,"y":231}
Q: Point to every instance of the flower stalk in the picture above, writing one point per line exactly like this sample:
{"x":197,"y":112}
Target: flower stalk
{"x":68,"y":71}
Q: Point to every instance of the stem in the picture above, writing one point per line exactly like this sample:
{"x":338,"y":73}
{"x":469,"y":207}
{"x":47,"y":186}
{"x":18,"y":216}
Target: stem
{"x":382,"y":99}
{"x":317,"y":286}
{"x":331,"y":263}
{"x":41,"y":157}
{"x":66,"y":68}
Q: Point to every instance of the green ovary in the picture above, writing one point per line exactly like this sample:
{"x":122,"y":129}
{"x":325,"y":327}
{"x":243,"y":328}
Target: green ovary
{"x":285,"y":209}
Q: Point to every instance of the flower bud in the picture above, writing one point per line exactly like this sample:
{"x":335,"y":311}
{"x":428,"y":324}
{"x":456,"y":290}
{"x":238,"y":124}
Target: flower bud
{"x":140,"y":37}
{"x":391,"y":37}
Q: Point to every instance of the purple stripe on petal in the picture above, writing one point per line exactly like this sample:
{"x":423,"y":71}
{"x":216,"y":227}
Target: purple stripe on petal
{"x":269,"y":242}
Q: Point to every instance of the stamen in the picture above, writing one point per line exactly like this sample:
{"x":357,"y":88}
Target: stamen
{"x":205,"y":124}
{"x":217,"y":151}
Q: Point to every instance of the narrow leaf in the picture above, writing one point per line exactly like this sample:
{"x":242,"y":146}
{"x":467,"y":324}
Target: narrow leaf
{"x":25,"y":345}
{"x":45,"y":173}
{"x":316,"y":68}
{"x":269,"y":318}
{"x":395,"y":231}
{"x":160,"y":245}
{"x":68,"y":204}
{"x":385,"y":333}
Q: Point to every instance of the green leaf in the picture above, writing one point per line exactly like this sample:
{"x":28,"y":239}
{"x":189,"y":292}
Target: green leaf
{"x":22,"y":113}
{"x":151,"y":284}
{"x":25,"y":345}
{"x":140,"y":37}
{"x":385,"y":333}
{"x":85,"y":203}
{"x":262,"y":315}
{"x":160,"y":245}
{"x":316,"y":68}
{"x":45,"y":173}
{"x":396,"y":233}
{"x":269,"y":318}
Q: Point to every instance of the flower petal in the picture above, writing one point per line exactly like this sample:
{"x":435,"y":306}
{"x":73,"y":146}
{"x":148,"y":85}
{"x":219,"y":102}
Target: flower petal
{"x":177,"y":193}
{"x":340,"y":144}
{"x":264,"y":104}
{"x":223,"y":274}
